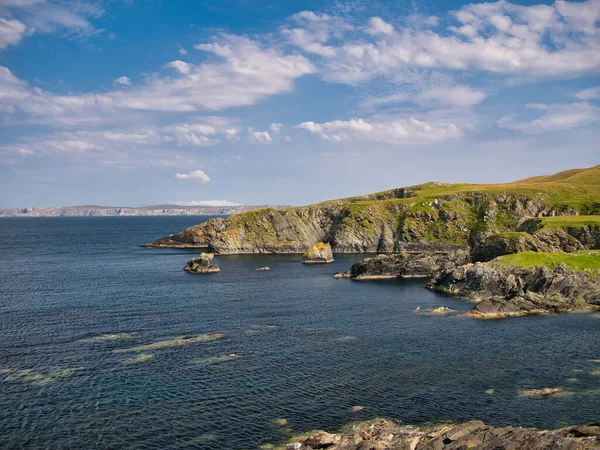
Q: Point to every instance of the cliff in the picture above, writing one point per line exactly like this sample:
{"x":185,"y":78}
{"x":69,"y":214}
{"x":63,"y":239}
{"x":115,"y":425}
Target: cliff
{"x":394,"y":220}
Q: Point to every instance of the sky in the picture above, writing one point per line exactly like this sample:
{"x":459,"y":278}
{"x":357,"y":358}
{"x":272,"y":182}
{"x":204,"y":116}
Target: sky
{"x":142,"y":102}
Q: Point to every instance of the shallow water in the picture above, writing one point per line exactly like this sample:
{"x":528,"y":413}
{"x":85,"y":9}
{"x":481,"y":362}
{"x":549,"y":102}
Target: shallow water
{"x":307,"y":347}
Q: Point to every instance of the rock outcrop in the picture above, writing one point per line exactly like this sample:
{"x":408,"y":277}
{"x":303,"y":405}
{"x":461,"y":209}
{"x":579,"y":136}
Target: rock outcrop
{"x":379,"y":434}
{"x":319,"y":253}
{"x":422,"y":263}
{"x":202,"y":264}
{"x":514,"y":291}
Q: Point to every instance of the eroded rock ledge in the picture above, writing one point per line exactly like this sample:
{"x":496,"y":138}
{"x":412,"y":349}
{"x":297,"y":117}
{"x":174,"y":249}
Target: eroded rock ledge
{"x":424,"y":262}
{"x":515,"y":291}
{"x":384,"y":434}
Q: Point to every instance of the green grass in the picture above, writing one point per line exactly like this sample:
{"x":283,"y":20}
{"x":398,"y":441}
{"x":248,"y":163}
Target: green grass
{"x":585,"y":260}
{"x":568,"y":221}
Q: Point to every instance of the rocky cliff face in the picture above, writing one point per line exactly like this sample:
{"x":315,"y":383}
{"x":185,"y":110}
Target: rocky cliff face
{"x":474,"y":435}
{"x":514,"y":291}
{"x":532,"y":236}
{"x":389,"y":225}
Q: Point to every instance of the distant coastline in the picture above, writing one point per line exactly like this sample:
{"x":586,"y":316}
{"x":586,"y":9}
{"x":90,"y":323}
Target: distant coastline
{"x":113,"y":211}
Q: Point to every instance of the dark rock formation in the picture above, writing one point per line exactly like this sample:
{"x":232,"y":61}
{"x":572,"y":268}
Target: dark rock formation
{"x":202,"y":264}
{"x":379,"y":434}
{"x":506,"y":244}
{"x":319,"y":253}
{"x":414,"y":264}
{"x":514,"y":291}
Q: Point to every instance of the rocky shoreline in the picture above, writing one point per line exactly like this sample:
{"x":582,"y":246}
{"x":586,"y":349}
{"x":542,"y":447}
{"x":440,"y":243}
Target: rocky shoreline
{"x":515,"y":291}
{"x":379,"y":434}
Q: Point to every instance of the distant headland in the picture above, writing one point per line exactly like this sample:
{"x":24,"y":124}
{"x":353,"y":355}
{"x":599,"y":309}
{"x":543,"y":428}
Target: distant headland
{"x":109,"y":211}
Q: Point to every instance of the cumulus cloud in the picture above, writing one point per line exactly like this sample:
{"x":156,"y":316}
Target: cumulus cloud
{"x":196,"y":175}
{"x":259,"y":137}
{"x":125,"y":81}
{"x":180,"y":66}
{"x":554,"y":118}
{"x":217,"y":203}
{"x":276,"y":127}
{"x":501,"y":37}
{"x":392,"y":131}
{"x":378,"y":26}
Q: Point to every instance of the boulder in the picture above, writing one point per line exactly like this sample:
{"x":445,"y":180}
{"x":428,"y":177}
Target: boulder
{"x":202,"y":264}
{"x":263,"y":269}
{"x":318,"y":254}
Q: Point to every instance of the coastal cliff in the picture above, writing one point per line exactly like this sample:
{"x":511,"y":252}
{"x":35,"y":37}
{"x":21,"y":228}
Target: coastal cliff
{"x":391,"y":221}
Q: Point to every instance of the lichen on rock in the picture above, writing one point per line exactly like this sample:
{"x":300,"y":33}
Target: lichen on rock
{"x":319,"y":253}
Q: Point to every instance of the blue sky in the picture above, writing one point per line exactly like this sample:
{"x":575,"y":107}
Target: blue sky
{"x":145,"y":101}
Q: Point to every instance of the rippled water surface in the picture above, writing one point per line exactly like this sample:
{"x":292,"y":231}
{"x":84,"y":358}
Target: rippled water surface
{"x":304,"y":346}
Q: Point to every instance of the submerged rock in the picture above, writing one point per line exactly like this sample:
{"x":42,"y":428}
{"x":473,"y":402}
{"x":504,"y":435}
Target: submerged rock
{"x":441,"y":310}
{"x":515,"y":291}
{"x":177,"y":342}
{"x":202,"y":264}
{"x":318,"y":254}
{"x":476,"y":435}
{"x":546,"y":392}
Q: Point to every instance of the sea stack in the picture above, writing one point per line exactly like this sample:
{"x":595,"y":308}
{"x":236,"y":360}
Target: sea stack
{"x":318,"y":254}
{"x":202,"y":264}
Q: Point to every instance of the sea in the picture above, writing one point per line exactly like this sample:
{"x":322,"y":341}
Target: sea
{"x":298,"y":350}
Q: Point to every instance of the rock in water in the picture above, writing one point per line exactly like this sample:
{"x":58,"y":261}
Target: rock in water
{"x":202,"y":264}
{"x":263,"y":269}
{"x":318,"y":254}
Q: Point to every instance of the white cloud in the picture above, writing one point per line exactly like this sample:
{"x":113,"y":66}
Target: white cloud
{"x":540,"y":106}
{"x":196,"y":175}
{"x":386,"y":130}
{"x":125,"y":81}
{"x":276,"y":127}
{"x":589,"y":94}
{"x":555,"y":118}
{"x":11,"y":32}
{"x":180,"y":66}
{"x":259,"y":137}
{"x":560,"y":40}
{"x":41,"y":16}
{"x":247,"y":74}
{"x":452,"y":96}
{"x":378,"y":26}
{"x":217,"y":203}
{"x":183,"y":51}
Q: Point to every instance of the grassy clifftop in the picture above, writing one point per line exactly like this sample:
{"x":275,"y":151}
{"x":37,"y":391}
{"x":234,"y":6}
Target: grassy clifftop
{"x":390,"y":220}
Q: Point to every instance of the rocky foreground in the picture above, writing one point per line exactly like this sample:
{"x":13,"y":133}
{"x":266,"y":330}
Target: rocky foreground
{"x":515,"y":291}
{"x":382,"y":434}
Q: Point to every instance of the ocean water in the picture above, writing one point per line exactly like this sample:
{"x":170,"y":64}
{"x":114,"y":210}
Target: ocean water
{"x":309,"y":347}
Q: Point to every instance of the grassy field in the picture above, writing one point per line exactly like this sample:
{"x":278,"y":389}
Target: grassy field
{"x":585,"y":260}
{"x":575,"y":188}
